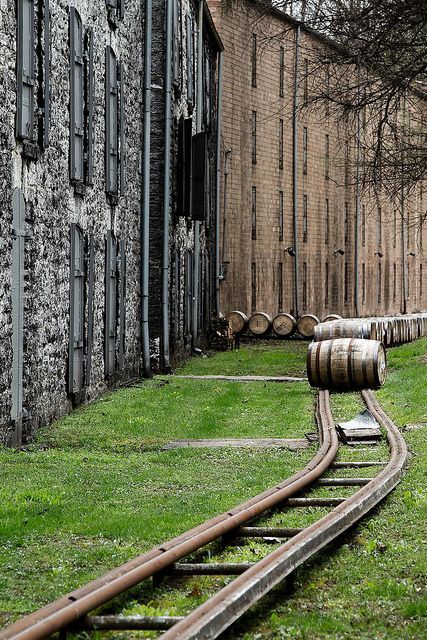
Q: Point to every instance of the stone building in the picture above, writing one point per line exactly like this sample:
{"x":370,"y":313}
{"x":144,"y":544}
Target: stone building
{"x":297,"y":234}
{"x":87,"y":212}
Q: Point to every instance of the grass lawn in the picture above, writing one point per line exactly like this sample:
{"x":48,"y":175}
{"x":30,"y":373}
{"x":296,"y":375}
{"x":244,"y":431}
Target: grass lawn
{"x":97,"y":489}
{"x":100,"y":490}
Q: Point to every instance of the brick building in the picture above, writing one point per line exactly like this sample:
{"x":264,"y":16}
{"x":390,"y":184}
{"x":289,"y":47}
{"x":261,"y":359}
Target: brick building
{"x":285,"y":164}
{"x":83,"y":222}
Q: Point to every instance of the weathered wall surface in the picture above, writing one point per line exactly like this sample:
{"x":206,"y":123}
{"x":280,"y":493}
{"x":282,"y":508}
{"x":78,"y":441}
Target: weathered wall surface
{"x":260,"y":273}
{"x":7,"y":143}
{"x":52,"y":205}
{"x":58,"y":206}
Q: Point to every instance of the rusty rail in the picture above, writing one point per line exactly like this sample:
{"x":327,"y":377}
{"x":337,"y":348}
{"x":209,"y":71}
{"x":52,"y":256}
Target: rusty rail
{"x":71,"y":608}
{"x":229,"y":604}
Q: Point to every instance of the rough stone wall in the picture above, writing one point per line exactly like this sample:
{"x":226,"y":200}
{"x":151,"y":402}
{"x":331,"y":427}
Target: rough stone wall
{"x":7,"y":143}
{"x":181,"y":232}
{"x":52,"y":205}
{"x":266,"y":252}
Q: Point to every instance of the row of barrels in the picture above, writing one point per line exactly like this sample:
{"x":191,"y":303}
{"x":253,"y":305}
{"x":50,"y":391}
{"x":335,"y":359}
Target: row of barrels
{"x":390,"y":330}
{"x":350,"y":354}
{"x":283,"y":325}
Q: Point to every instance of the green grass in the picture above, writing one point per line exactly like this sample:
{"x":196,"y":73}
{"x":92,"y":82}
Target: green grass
{"x":270,"y":358}
{"x":97,"y":489}
{"x":103,"y":491}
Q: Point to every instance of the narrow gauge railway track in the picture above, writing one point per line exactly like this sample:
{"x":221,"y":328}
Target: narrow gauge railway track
{"x":254,"y":579}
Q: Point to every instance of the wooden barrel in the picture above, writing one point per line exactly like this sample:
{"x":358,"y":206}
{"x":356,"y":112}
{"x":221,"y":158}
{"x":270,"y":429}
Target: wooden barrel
{"x":346,"y":364}
{"x":238,"y":321}
{"x":284,"y":325}
{"x":260,"y":323}
{"x":348,"y":328}
{"x":306,"y":324}
{"x":331,"y":316}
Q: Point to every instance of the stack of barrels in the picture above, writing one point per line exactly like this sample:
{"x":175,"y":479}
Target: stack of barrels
{"x":350,"y":354}
{"x":345,"y":354}
{"x":391,"y":330}
{"x":283,"y":325}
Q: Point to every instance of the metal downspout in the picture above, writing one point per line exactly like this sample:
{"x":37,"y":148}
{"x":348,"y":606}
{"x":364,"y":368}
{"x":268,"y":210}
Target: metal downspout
{"x":402,"y":215}
{"x":295,"y":169}
{"x":218,"y":184}
{"x":165,"y":355}
{"x":196,"y":274}
{"x":145,"y":208}
{"x":357,"y":220}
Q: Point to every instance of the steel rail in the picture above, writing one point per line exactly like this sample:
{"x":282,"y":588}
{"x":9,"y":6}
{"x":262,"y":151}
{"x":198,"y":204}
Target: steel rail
{"x":70,"y":608}
{"x":219,"y":612}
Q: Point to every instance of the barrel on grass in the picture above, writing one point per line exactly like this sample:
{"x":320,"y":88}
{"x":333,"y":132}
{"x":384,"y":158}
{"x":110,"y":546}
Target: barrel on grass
{"x":332,"y":316}
{"x":346,"y":364}
{"x":260,"y":324}
{"x":306,"y":325}
{"x":284,"y":325}
{"x":349,"y":328}
{"x":238,"y":321}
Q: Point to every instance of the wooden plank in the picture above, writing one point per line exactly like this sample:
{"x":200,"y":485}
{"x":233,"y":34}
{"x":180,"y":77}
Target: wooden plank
{"x":285,"y":443}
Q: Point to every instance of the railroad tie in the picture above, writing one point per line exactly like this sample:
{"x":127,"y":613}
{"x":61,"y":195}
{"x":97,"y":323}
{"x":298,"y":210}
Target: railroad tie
{"x":343,"y":482}
{"x":208,"y":568}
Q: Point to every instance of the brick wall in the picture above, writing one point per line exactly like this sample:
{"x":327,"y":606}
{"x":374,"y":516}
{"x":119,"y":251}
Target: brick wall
{"x":318,"y":293}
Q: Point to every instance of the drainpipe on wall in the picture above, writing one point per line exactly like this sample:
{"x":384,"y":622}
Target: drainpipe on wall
{"x":295,"y":169}
{"x":218,"y":184}
{"x":19,"y":235}
{"x":357,"y":217}
{"x":196,"y":274}
{"x":402,"y":214}
{"x":145,"y":208}
{"x":227,"y":155}
{"x":166,"y":189}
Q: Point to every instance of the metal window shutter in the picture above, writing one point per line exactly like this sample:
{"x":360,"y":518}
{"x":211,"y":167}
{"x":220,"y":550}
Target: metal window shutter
{"x":176,"y":50}
{"x":121,"y":9}
{"x":199,"y":162}
{"x":122,"y":303}
{"x":110,"y":304}
{"x":111,"y":122}
{"x":190,"y":58}
{"x":188,"y":166}
{"x":25,"y":70}
{"x":76,"y":97}
{"x":90,"y":309}
{"x":75,"y":359}
{"x":122,"y":123}
{"x":46,"y":91}
{"x":89,"y":102}
{"x":207,"y":91}
{"x":111,"y":3}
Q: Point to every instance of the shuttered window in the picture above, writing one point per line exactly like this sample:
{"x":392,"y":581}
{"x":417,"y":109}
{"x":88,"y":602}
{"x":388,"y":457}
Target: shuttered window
{"x":253,"y":287}
{"x":110,"y":304}
{"x":75,"y":359}
{"x":190,"y":58}
{"x":346,"y":223}
{"x":199,"y":176}
{"x":281,"y":143}
{"x":116,"y":10}
{"x":176,"y":48}
{"x":253,"y":208}
{"x":111,"y":122}
{"x":281,"y":72}
{"x":326,"y":221}
{"x":280,"y":287}
{"x":122,"y":303}
{"x":184,"y":166}
{"x":207,"y":77}
{"x":254,"y":145}
{"x":304,"y":218}
{"x":90,"y":307}
{"x":89,"y":106}
{"x":304,"y":150}
{"x":122,"y":130}
{"x":76,"y":98}
{"x":46,"y":74}
{"x":25,"y":70}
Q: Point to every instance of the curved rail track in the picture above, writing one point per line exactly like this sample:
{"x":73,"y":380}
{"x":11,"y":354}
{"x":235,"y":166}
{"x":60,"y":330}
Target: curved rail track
{"x":254,"y":579}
